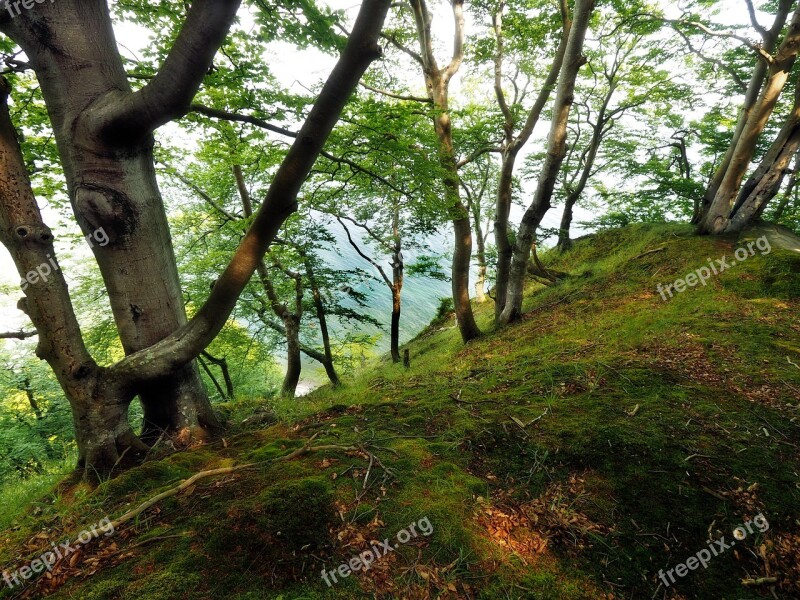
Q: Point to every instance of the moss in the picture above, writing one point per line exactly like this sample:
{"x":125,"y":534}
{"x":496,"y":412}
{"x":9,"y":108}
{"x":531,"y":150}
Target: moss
{"x":546,"y":402}
{"x":299,"y":513}
{"x":146,"y":477}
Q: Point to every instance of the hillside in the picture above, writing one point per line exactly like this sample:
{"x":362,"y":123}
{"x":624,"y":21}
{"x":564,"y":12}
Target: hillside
{"x":609,"y":435}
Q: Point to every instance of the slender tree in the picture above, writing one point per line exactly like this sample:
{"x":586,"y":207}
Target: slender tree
{"x":556,"y":151}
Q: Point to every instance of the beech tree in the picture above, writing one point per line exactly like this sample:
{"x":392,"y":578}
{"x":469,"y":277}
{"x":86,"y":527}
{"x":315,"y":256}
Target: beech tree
{"x":437,"y":84}
{"x":622,"y":75}
{"x":105,"y":137}
{"x":722,"y":211}
{"x":573,"y":60}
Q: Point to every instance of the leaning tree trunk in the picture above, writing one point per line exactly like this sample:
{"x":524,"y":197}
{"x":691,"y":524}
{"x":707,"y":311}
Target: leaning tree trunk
{"x":99,"y":407}
{"x":787,"y":195}
{"x":765,"y":183}
{"x":319,"y":306}
{"x":718,"y":218}
{"x":750,"y":100}
{"x":556,"y":151}
{"x":112,"y":188}
{"x":511,"y":148}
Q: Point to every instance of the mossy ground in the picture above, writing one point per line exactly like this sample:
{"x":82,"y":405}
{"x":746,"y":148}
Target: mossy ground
{"x":608,"y":435}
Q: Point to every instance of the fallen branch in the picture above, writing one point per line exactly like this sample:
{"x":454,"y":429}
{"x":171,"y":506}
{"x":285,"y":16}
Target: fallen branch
{"x":643,"y":254}
{"x":187,"y":483}
{"x":792,"y":363}
{"x":759,"y":581}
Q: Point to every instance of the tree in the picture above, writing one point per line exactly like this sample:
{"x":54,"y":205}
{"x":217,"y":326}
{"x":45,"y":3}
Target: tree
{"x":722,"y":213}
{"x":510,"y":109}
{"x":437,"y":84}
{"x":624,"y":73}
{"x":556,"y":151}
{"x":106,"y":151}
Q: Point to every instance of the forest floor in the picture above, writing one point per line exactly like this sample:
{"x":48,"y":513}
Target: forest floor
{"x":609,"y":435}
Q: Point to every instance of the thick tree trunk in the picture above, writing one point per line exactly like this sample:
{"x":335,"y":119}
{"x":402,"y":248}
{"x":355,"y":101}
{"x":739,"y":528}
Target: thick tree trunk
{"x":556,"y":151}
{"x":100,"y":397}
{"x":717,"y":219}
{"x":99,"y":405}
{"x":765,"y":183}
{"x":115,"y":198}
{"x":395,"y":328}
{"x":787,"y":195}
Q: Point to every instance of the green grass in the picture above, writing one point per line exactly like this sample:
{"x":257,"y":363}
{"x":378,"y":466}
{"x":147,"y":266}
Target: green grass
{"x":571,"y":455}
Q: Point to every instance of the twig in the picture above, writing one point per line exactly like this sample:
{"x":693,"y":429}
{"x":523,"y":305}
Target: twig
{"x":759,"y":581}
{"x":643,"y":254}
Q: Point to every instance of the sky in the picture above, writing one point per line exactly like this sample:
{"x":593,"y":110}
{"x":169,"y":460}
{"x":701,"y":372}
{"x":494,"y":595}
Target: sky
{"x":297,"y":70}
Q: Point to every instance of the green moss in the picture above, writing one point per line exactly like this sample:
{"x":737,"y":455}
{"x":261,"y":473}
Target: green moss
{"x":299,"y":513}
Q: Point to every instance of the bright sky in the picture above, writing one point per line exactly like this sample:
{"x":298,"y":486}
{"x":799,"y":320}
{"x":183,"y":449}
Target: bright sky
{"x":295,"y":69}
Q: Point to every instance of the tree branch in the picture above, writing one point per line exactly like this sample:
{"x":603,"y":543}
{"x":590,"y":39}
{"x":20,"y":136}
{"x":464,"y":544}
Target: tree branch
{"x":395,"y":96}
{"x":361,"y":253}
{"x":186,"y":342}
{"x":18,"y":335}
{"x":132,"y":116}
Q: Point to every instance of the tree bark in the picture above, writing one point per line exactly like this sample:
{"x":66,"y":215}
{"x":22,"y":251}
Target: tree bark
{"x":765,"y":183}
{"x":556,"y":151}
{"x":104,"y":136}
{"x":787,"y":195}
{"x":100,"y":397}
{"x":513,"y":144}
{"x":319,"y":306}
{"x":718,"y":218}
{"x":99,"y":403}
{"x":437,"y":82}
{"x":770,"y":41}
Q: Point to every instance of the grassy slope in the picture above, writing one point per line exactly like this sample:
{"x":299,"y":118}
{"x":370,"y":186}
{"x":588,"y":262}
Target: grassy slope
{"x":526,"y":451}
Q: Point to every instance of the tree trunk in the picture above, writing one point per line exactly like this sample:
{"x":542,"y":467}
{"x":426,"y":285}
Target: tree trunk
{"x":717,"y":220}
{"x":115,"y":198}
{"x":293,"y":361}
{"x":750,"y":100}
{"x":395,"y":329}
{"x":100,"y":397}
{"x":511,"y":147}
{"x":99,"y":406}
{"x":226,"y":373}
{"x":330,"y":368}
{"x":437,"y":82}
{"x":564,"y":242}
{"x":556,"y":151}
{"x":787,"y":195}
{"x":765,"y":183}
